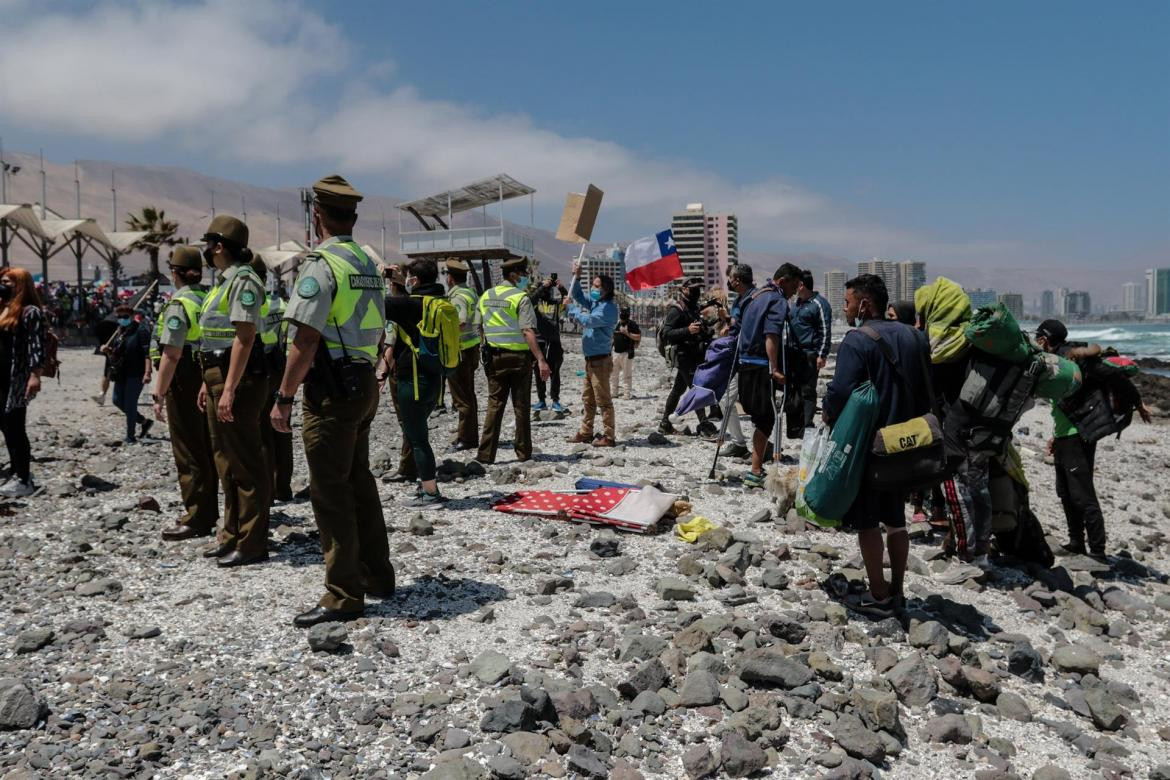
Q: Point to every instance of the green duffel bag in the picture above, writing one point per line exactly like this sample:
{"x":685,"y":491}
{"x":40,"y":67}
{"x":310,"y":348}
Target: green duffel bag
{"x":995,"y":331}
{"x":842,"y":459}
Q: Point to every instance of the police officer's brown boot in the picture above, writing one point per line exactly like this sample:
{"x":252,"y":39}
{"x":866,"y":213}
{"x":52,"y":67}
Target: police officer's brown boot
{"x":181,"y":532}
{"x":218,"y":551}
{"x":324,"y":615}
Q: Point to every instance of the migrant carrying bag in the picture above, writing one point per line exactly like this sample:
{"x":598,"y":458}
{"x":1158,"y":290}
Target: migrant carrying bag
{"x":994,"y":395}
{"x":1105,"y":404}
{"x":909,"y":455}
{"x":840,"y":468}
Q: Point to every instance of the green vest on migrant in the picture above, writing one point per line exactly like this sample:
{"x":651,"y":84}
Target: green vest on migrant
{"x":500,"y":309}
{"x":214,"y":317}
{"x":191,"y":299}
{"x":468,"y":331}
{"x":358,"y":313}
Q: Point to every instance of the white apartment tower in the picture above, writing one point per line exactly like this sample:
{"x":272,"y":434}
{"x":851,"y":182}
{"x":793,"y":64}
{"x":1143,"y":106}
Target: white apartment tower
{"x":708,"y":244}
{"x":1133,"y":297}
{"x":834,"y":292}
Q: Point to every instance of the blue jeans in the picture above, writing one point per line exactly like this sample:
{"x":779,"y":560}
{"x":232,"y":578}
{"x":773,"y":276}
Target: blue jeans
{"x":126,"y":394}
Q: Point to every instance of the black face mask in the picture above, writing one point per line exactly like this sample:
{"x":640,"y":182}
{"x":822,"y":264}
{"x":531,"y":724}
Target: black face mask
{"x":209,"y":256}
{"x":693,"y":295}
{"x":5,"y":292}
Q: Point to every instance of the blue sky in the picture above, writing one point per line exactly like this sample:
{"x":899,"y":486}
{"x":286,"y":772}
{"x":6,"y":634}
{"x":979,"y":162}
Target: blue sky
{"x":1035,"y":132}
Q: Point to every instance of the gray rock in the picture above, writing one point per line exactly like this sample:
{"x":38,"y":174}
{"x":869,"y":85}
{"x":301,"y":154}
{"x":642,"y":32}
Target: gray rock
{"x":456,"y":739}
{"x":507,"y":768}
{"x":983,"y":684}
{"x":587,"y":762}
{"x":674,"y":589}
{"x":598,"y":600}
{"x":699,"y":689}
{"x":739,"y":757}
{"x":1160,"y":772}
{"x":32,"y":640}
{"x":327,"y":637}
{"x":1106,"y":713}
{"x":767,"y":667}
{"x":783,"y":628}
{"x":98,"y":587}
{"x":456,"y":769}
{"x":1025,"y":662}
{"x":641,"y":647}
{"x":930,"y":635}
{"x":1013,"y":706}
{"x":489,"y":667}
{"x":420,"y":526}
{"x":1054,"y":772}
{"x":578,"y":704}
{"x":605,"y":546}
{"x":511,"y":715}
{"x":878,"y":709}
{"x":144,"y":632}
{"x":650,"y":676}
{"x":774,"y":578}
{"x":648,"y":702}
{"x":698,"y":762}
{"x":1076,"y":658}
{"x":913,"y":681}
{"x":527,"y":746}
{"x":857,"y":740}
{"x":19,"y":707}
{"x":951,"y":728}
{"x":693,"y":639}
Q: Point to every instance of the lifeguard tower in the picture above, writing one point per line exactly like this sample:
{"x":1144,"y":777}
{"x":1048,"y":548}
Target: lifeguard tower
{"x":492,"y":241}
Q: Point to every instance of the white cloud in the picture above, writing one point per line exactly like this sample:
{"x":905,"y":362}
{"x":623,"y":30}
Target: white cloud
{"x":235,"y":79}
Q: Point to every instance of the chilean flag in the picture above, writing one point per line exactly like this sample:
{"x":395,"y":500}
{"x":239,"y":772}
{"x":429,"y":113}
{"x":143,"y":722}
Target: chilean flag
{"x":652,"y":261}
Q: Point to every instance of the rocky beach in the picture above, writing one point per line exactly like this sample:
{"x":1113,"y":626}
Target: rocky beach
{"x":524,"y":647}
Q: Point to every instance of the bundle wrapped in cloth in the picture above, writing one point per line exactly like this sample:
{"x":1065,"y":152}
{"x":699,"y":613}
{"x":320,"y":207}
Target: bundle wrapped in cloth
{"x":946,"y":310}
{"x":995,"y":331}
{"x":628,"y":507}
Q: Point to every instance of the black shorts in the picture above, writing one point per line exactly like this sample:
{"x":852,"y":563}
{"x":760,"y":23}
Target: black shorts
{"x":872,"y":508}
{"x":756,"y":395}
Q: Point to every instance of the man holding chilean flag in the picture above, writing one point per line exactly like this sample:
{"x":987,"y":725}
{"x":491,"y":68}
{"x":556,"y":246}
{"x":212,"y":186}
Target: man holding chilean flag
{"x":653,"y":261}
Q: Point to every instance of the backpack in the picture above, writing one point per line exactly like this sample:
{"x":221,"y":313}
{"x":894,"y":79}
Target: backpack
{"x":438,"y":331}
{"x":993,"y":397}
{"x":1105,"y":404}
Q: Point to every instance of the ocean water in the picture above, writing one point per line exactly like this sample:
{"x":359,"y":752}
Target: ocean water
{"x":1136,"y":340}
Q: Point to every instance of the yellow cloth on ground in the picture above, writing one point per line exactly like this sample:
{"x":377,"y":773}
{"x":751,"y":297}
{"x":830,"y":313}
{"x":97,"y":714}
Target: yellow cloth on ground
{"x":692,"y":529}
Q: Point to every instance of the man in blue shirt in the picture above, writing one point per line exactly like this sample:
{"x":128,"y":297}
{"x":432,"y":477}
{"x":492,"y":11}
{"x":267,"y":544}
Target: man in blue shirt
{"x":761,"y":316}
{"x":812,"y":329}
{"x":597,"y":315}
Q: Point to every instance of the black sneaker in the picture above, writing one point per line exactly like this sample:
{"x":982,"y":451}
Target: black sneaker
{"x":734,"y":451}
{"x":146,"y":426}
{"x":665,"y":428}
{"x":1073,"y":549}
{"x":425,"y":500}
{"x":707,"y":428}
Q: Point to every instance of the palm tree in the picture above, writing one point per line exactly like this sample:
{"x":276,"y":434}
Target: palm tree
{"x":160,"y":232}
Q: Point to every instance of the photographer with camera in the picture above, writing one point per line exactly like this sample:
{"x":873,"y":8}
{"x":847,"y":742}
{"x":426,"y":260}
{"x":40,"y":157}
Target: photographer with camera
{"x":685,"y":330}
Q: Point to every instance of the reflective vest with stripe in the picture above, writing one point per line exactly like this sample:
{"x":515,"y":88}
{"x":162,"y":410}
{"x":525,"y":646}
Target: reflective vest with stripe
{"x":272,"y":310}
{"x":214,"y":318}
{"x":358,"y":314}
{"x":191,"y":299}
{"x":468,"y":331}
{"x":499,"y":308}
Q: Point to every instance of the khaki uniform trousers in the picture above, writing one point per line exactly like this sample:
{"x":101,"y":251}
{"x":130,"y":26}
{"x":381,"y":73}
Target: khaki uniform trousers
{"x":344,"y":494}
{"x":241,"y":462}
{"x":623,"y":369}
{"x":462,"y":384}
{"x":191,"y":444}
{"x":277,"y":445}
{"x":510,"y":375}
{"x":595,"y":396}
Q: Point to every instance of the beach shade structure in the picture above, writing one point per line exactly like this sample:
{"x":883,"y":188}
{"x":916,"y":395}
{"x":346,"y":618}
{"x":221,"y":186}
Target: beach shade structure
{"x":711,"y":377}
{"x":49,"y":235}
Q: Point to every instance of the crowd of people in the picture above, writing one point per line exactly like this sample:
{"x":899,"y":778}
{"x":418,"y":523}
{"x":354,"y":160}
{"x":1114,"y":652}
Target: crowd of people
{"x":225,"y":366}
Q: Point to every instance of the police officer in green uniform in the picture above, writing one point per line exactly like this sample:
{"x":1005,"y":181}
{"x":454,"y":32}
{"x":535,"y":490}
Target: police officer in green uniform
{"x":234,"y":389}
{"x":338,"y":307}
{"x":277,"y":444}
{"x":462,"y":382}
{"x":176,"y":388}
{"x":509,"y":329}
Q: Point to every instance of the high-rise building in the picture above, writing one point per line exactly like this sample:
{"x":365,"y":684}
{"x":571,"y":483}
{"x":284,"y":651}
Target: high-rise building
{"x":911,"y":276}
{"x":1158,"y":291}
{"x":1047,"y":304}
{"x":1133,"y":297}
{"x":611,"y":262}
{"x":981,"y":297}
{"x":1078,"y":304}
{"x":834,"y":292}
{"x":708,"y":244}
{"x":1014,"y":303}
{"x":1059,"y":304}
{"x":888,"y":271}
